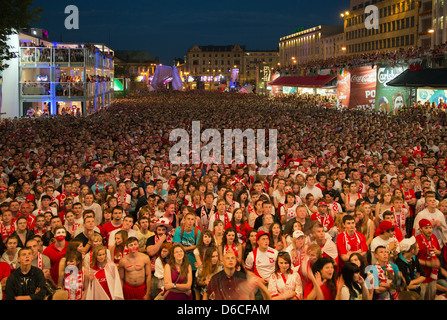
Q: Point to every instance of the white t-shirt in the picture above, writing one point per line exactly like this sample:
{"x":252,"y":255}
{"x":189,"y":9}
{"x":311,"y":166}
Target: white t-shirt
{"x":378,"y":241}
{"x":264,"y":264}
{"x":441,"y":232}
{"x":315,"y":191}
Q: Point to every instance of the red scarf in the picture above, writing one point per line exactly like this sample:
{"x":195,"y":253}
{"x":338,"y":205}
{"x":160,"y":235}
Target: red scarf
{"x":400,"y":220}
{"x":39,"y":261}
{"x":383,"y":278}
{"x":204,"y":217}
{"x":226,"y":219}
{"x":79,"y":285}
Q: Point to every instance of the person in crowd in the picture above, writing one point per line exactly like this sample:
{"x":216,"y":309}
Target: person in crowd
{"x":285,"y":284}
{"x":27,"y":282}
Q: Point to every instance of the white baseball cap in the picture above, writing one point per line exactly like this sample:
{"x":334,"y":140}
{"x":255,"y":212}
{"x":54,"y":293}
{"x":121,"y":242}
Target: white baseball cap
{"x":406,"y":244}
{"x":298,"y":233}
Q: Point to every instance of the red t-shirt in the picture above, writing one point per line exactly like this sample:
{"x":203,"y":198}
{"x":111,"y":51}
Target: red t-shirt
{"x":327,"y":221}
{"x":424,"y":252}
{"x":327,"y":293}
{"x":346,"y":243}
{"x":5,"y":272}
{"x":107,"y":229}
{"x":55,"y":256}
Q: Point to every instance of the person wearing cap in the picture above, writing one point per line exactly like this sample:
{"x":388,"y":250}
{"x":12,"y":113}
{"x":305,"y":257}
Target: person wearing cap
{"x":409,"y":265}
{"x":429,"y":250}
{"x":384,"y":236}
{"x":297,"y":249}
{"x":323,"y":217}
{"x":435,"y":216}
{"x":261,"y":261}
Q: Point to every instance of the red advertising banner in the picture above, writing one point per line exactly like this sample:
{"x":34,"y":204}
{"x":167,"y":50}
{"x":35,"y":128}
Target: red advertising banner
{"x":363,"y":88}
{"x":343,"y":87}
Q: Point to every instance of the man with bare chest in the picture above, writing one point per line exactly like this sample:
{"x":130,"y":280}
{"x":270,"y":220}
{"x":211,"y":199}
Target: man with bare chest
{"x":135,"y":272}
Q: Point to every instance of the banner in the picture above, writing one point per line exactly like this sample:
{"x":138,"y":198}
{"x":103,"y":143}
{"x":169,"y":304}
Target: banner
{"x":432,"y":95}
{"x":343,"y":88}
{"x":265,"y":76}
{"x":363,"y":88}
{"x":390,"y":99}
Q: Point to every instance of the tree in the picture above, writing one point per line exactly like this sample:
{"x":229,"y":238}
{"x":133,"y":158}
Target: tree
{"x":14,"y":15}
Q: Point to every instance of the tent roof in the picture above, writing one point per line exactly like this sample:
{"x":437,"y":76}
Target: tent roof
{"x":302,"y":81}
{"x":432,"y":78}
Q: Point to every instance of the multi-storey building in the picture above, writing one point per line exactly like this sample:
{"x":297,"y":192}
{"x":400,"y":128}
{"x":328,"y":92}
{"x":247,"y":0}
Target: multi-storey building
{"x":334,"y":46}
{"x":213,"y":65}
{"x":432,"y":29}
{"x":253,"y":59}
{"x":56,"y":78}
{"x":394,"y":27}
{"x":306,"y":45}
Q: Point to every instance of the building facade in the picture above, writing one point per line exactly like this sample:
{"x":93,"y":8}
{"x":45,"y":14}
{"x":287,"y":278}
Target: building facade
{"x":306,"y":45}
{"x":395,"y":26}
{"x":254,"y":59}
{"x":212,"y":66}
{"x":56,"y":78}
{"x":432,"y":29}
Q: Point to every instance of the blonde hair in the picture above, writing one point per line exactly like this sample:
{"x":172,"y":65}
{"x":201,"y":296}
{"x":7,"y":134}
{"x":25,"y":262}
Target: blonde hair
{"x":96,"y":252}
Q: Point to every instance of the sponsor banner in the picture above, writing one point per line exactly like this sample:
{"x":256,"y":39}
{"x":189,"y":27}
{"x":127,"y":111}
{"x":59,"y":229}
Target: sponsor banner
{"x":265,"y":76}
{"x":363,"y":88}
{"x":343,"y":87}
{"x":390,"y":99}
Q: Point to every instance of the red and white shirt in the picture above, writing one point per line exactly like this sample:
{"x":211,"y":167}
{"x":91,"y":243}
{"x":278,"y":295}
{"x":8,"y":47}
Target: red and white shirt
{"x":262,"y":263}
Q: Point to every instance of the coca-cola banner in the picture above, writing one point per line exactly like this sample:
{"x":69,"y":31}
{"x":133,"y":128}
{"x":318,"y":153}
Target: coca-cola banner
{"x":363,"y":88}
{"x":343,"y":87}
{"x":390,"y":99}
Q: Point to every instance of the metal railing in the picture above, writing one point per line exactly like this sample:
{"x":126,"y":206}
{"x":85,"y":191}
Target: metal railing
{"x":64,"y":56}
{"x":66,"y":89}
{"x":35,"y":88}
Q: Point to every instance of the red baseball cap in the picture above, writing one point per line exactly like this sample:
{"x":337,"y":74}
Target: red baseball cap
{"x":424,"y":223}
{"x":260,"y":234}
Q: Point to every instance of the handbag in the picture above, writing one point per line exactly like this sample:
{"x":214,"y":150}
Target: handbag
{"x":162,"y":295}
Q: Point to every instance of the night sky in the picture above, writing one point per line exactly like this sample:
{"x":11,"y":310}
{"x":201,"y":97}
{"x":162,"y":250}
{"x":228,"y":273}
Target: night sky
{"x":168,"y":28}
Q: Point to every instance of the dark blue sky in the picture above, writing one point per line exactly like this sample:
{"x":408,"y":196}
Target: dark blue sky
{"x":168,"y":28}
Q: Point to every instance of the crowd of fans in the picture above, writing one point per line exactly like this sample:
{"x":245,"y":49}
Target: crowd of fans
{"x":92,"y":208}
{"x":414,"y":56}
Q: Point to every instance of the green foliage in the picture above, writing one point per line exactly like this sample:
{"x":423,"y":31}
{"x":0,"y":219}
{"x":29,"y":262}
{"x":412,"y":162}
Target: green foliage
{"x":14,"y":15}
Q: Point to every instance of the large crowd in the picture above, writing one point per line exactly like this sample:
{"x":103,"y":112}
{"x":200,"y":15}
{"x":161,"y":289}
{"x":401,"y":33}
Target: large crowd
{"x":414,"y":56}
{"x":93,"y":209}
